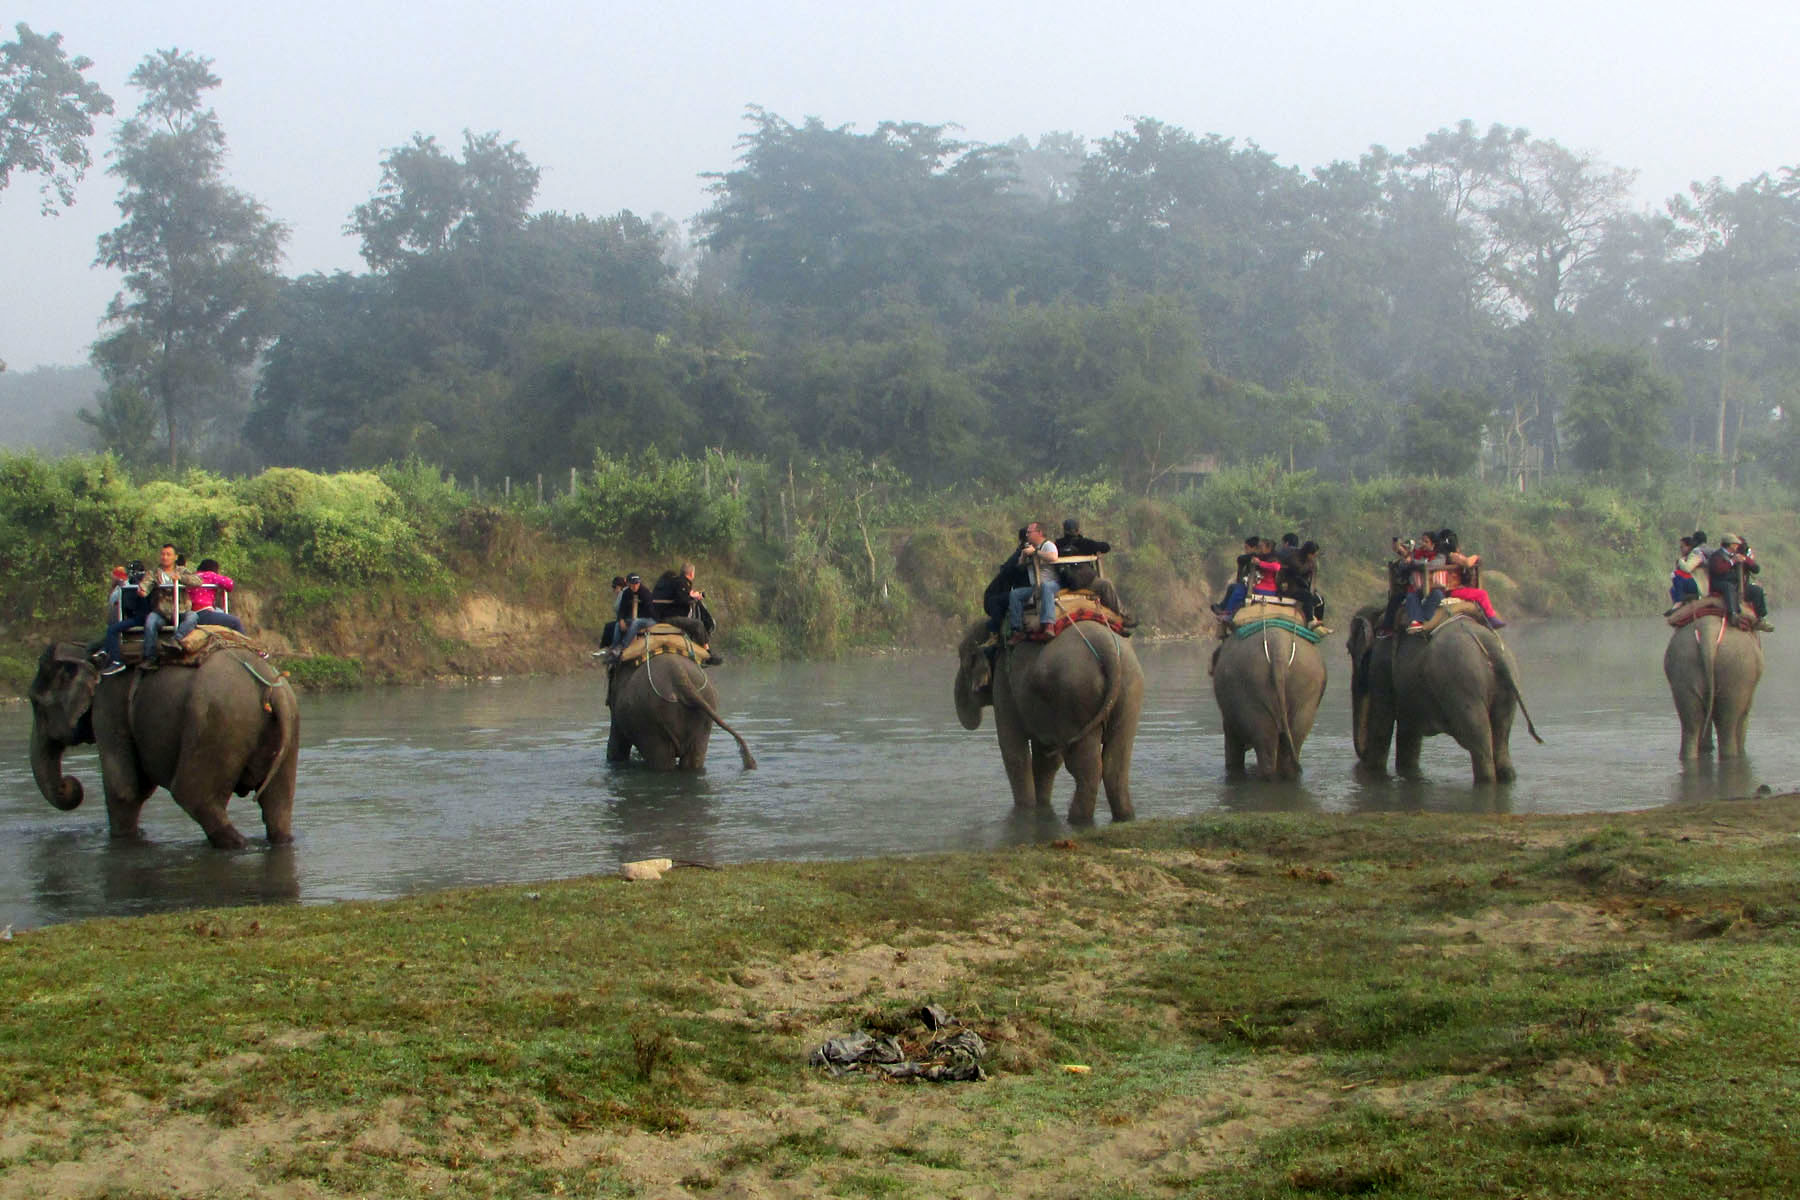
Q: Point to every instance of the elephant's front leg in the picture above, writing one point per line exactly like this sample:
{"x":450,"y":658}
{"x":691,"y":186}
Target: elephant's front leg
{"x":1408,"y":743}
{"x":126,"y":789}
{"x":1015,"y":754}
{"x":1084,"y":761}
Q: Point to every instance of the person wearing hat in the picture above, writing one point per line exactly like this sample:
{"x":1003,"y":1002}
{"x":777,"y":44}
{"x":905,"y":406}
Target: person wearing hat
{"x":634,"y":612}
{"x":1087,"y":575}
{"x":1730,"y":567}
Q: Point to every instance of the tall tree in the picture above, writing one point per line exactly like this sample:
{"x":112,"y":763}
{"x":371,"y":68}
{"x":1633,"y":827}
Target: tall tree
{"x":428,"y":202}
{"x":47,"y":113}
{"x":199,"y":259}
{"x":1617,"y":411}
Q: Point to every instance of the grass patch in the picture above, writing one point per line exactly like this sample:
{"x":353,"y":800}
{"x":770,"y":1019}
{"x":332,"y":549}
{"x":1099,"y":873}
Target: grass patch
{"x":324,"y":671}
{"x":1260,"y":1005}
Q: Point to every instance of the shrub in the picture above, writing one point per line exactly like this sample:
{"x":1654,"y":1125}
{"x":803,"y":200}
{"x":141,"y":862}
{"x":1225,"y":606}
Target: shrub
{"x":662,"y":504}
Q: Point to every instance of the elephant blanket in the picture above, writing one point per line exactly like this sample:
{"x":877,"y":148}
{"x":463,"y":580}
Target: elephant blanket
{"x":1255,"y":617}
{"x":665,"y":639}
{"x":1072,"y":605}
{"x":191,"y":651}
{"x":1706,"y":606}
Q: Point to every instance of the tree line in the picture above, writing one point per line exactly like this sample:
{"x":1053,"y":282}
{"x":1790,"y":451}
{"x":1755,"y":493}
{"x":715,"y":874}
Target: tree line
{"x":1133,"y":305}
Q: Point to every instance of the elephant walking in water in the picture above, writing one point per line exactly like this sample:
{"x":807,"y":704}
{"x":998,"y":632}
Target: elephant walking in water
{"x":230,"y":725}
{"x":666,"y":706}
{"x":1713,"y":669}
{"x":1458,"y":678}
{"x":1268,"y":685}
{"x":1074,"y":700}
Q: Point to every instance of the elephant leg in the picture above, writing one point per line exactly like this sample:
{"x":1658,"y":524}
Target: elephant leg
{"x":1044,"y":766}
{"x":276,"y":798}
{"x":1084,"y":762}
{"x":1504,"y":771}
{"x":203,"y":790}
{"x":1407,"y":745}
{"x":1267,"y":745}
{"x":1378,"y":736}
{"x":618,"y":749}
{"x":1115,"y":774}
{"x":1235,"y":749}
{"x":694,"y":742}
{"x":660,"y":750}
{"x":126,"y":790}
{"x":1015,"y":754}
{"x":1730,"y":720}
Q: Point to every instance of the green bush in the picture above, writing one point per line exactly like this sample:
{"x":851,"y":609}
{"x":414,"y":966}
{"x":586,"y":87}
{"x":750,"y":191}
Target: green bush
{"x":661,"y":503}
{"x":324,"y":671}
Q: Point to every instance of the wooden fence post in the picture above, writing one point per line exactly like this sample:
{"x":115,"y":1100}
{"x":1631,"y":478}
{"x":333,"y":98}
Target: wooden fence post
{"x":540,"y":489}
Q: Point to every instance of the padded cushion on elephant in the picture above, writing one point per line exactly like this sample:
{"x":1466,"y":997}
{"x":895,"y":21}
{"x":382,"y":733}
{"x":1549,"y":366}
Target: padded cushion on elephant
{"x":1693,"y":610}
{"x":207,"y":640}
{"x":1449,"y":610}
{"x":664,"y":639}
{"x":1072,"y":605}
{"x":1270,"y":609}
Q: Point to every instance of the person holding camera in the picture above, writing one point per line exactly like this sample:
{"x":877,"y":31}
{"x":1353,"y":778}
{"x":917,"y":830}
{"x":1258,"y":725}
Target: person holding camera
{"x":162,"y":588}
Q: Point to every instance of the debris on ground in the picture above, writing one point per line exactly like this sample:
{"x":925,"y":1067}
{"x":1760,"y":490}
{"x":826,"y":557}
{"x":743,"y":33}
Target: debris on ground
{"x":953,"y":1057}
{"x":646,"y":868}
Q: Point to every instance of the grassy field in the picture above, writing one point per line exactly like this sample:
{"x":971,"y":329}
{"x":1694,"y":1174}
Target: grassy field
{"x":1400,"y":1005}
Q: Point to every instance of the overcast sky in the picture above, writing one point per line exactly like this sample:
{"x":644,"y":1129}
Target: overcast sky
{"x":624,"y":105}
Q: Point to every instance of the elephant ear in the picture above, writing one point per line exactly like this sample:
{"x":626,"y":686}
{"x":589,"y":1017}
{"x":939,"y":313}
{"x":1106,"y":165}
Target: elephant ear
{"x":63,"y":693}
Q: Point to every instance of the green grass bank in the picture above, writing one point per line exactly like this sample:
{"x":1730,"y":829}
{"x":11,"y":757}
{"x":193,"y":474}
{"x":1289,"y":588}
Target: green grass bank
{"x":401,"y":574}
{"x":1296,"y":1006}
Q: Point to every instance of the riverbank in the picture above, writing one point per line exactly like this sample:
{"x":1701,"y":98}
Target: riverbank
{"x":397,"y":576}
{"x":1275,"y":1005}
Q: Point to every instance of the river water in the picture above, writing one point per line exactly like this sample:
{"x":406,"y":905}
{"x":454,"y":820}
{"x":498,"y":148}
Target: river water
{"x":404,"y":790}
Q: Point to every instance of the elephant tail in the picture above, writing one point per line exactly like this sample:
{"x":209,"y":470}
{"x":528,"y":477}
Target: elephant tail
{"x":276,"y":745}
{"x":1503,"y":667}
{"x":1115,"y":686}
{"x":1709,"y":654}
{"x":698,"y":700}
{"x":1278,"y":667}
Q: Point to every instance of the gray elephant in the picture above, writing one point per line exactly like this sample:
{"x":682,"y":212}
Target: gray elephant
{"x":1268,"y":685}
{"x":1713,"y":669}
{"x":1073,"y":700}
{"x":229,"y":726}
{"x":666,"y":706}
{"x":1458,"y":678}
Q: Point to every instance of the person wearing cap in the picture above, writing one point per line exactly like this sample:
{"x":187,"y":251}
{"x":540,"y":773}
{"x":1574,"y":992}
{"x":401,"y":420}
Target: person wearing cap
{"x":1087,"y":575}
{"x":1731,"y":564}
{"x":634,"y":612}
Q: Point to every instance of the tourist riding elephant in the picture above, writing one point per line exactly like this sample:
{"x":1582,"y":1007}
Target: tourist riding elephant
{"x":229,"y":726}
{"x":1074,"y":699}
{"x":666,"y":706}
{"x":1268,"y":685}
{"x":1713,"y":669}
{"x":1458,"y":679}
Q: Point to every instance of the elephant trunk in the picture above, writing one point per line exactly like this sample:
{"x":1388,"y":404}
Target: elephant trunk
{"x":968,"y":705}
{"x":62,"y":791}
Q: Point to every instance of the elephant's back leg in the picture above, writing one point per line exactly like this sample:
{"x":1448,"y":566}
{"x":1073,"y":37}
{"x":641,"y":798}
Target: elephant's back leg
{"x":219,"y":729}
{"x":1084,"y":763}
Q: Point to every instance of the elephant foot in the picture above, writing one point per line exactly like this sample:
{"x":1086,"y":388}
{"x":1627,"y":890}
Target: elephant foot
{"x":226,"y":837}
{"x":1505,"y":774}
{"x":284,"y":838}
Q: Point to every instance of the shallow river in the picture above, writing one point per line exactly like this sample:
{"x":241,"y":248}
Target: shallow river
{"x":407,"y":789}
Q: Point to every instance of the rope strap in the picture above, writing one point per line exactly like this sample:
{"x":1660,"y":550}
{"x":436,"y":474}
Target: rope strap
{"x":1293,"y":627}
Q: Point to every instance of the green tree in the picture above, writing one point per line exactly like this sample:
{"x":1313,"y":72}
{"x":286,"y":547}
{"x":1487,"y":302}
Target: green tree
{"x":428,"y":202}
{"x":199,"y":259}
{"x":1616,"y":415}
{"x":47,"y":113}
{"x":1440,"y":433}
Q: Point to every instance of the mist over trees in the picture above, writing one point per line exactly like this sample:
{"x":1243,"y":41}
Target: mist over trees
{"x":1128,"y":306}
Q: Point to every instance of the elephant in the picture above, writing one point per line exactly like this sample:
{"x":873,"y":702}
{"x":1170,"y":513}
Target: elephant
{"x":1713,"y":669}
{"x":1075,"y":699}
{"x":666,"y":706}
{"x":1268,"y":686}
{"x":228,"y":726}
{"x":1458,"y":678}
